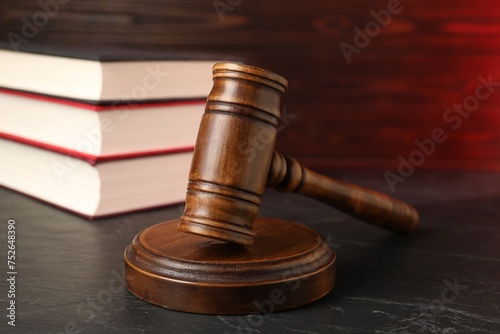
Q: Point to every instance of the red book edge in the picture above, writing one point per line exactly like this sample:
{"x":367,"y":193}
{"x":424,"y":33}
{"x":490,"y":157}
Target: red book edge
{"x":116,"y":105}
{"x":95,"y":217}
{"x":92,"y":159}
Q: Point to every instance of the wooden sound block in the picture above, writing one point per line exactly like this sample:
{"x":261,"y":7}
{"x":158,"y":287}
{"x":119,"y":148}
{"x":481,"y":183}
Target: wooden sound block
{"x":289,"y":265}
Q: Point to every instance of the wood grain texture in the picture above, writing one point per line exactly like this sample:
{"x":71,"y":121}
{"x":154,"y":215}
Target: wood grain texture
{"x":289,"y":265}
{"x":366,"y":113}
{"x":370,"y":206}
{"x":70,"y":269}
{"x":234,"y":159}
{"x":233,"y":153}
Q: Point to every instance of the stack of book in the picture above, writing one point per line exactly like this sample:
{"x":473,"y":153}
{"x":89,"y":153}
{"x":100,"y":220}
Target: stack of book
{"x":100,"y":134}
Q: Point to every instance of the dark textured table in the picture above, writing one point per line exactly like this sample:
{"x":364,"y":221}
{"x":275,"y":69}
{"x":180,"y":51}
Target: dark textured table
{"x":442,"y":279}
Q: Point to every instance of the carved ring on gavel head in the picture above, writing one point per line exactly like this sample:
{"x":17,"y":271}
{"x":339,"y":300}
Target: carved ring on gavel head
{"x":234,"y":160}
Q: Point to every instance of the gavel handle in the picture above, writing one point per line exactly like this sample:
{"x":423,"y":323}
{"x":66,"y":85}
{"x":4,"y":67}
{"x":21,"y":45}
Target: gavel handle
{"x":287,"y":175}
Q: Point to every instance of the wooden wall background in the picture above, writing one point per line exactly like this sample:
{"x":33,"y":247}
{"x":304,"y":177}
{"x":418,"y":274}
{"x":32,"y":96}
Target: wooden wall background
{"x":365,"y":113}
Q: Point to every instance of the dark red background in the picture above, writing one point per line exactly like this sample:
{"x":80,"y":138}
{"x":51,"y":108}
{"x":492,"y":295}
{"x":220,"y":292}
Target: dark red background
{"x":365,"y":113}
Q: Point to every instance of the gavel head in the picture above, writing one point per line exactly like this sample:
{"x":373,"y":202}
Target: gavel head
{"x":233,"y":153}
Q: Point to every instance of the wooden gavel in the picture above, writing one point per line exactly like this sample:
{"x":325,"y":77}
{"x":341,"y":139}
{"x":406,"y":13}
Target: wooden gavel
{"x":234,"y":160}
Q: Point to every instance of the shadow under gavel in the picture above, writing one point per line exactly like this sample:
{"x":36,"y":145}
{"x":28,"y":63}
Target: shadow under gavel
{"x":234,"y":160}
{"x":289,"y":264}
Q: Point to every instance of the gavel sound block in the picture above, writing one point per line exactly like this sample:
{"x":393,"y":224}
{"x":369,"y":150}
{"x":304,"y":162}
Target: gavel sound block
{"x":230,"y":261}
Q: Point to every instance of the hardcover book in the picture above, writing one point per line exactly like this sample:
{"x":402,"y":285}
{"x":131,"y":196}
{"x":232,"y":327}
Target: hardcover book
{"x":104,"y":189}
{"x":99,"y":132}
{"x":106,"y":75}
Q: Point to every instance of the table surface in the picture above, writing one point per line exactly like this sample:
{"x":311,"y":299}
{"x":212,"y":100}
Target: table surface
{"x":441,"y":279}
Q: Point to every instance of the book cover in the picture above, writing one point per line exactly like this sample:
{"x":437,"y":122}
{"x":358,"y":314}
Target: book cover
{"x":106,"y":75}
{"x":105,"y":189}
{"x":99,"y":132}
